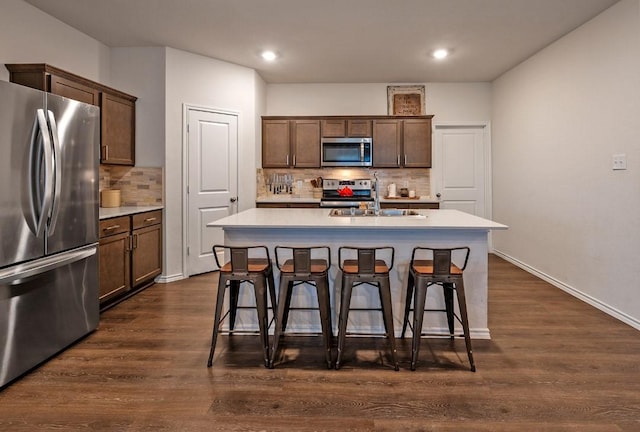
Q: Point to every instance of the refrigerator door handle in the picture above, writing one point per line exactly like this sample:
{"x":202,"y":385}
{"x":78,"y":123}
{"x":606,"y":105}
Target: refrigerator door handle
{"x":57,"y":173}
{"x":41,"y":152}
{"x":21,"y":273}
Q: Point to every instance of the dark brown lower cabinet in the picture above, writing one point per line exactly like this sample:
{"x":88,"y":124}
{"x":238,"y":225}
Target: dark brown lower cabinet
{"x":130,"y":254}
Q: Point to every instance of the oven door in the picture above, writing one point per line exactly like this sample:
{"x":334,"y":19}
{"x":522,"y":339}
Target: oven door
{"x":346,"y":152}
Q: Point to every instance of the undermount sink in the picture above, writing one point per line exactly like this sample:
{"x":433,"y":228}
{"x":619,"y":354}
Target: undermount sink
{"x":354,"y":212}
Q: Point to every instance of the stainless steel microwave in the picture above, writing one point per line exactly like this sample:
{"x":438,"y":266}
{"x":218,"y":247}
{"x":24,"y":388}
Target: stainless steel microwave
{"x":347,"y":152}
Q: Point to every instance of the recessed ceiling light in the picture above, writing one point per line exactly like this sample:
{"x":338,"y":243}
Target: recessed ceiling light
{"x":268,"y":55}
{"x":440,"y":54}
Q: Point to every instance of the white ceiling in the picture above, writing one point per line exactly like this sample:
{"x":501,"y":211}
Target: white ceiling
{"x":338,"y":41}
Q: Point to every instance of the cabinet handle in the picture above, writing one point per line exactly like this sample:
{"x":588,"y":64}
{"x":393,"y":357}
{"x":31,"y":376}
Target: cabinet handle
{"x":287,"y":159}
{"x":294,"y":160}
{"x":111,"y":227}
{"x":148,"y":220}
{"x":398,"y":160}
{"x":135,"y":241}
{"x":105,"y":152}
{"x":405,"y":159}
{"x":129,"y":244}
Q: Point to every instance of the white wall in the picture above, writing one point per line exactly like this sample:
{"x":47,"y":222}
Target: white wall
{"x":557,"y":119}
{"x":446,"y":101}
{"x":197,"y":80}
{"x":28,"y":35}
{"x":141,"y":72}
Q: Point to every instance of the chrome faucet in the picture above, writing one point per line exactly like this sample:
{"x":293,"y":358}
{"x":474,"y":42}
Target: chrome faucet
{"x":376,"y":203}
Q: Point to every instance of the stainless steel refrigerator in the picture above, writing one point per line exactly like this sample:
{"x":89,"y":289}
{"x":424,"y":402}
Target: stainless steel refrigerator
{"x":48,"y":225}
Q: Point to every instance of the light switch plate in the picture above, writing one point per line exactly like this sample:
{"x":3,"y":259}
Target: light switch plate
{"x":619,"y":161}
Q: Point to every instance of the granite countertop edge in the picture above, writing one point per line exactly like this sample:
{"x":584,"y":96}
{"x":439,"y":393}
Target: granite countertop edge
{"x":110,"y":212}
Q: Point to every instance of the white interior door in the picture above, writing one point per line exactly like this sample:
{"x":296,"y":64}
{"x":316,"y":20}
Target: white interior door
{"x":460,"y":168}
{"x":212,"y":188}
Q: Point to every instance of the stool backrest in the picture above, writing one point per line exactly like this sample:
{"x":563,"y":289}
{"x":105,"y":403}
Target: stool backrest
{"x":239,"y":256}
{"x":367,"y":256}
{"x":302,"y":257}
{"x":302,"y":260}
{"x":442,"y":259}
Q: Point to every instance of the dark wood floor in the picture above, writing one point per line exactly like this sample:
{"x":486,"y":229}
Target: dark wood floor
{"x":553,"y":364}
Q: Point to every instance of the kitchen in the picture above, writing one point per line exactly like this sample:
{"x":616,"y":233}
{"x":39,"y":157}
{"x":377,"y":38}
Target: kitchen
{"x":543,"y":178}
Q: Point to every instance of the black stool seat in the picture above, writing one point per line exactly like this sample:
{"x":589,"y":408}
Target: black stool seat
{"x":297,"y":266}
{"x":255,"y":270}
{"x":438,"y":270}
{"x":368,"y":270}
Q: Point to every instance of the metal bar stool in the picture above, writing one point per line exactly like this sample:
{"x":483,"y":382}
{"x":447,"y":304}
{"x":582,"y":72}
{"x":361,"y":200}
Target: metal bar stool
{"x":299,"y":266}
{"x":369,"y":270}
{"x":438,"y":269}
{"x":256,"y":270}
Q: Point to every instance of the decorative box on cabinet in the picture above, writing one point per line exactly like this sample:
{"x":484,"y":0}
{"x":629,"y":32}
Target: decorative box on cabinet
{"x":117,"y":109}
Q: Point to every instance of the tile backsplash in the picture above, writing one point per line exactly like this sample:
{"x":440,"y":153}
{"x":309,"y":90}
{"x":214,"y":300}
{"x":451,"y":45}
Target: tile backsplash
{"x":418,"y":179}
{"x":139,"y":186}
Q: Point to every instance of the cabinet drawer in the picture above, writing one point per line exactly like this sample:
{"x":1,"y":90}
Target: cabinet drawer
{"x":112,"y":226}
{"x":141,"y":220}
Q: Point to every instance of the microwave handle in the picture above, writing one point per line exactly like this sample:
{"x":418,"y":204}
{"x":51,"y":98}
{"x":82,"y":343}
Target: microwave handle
{"x":362,"y":151}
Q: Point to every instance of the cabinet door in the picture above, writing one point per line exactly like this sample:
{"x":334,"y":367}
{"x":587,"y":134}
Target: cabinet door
{"x":118,"y":130}
{"x":275,"y":143}
{"x":333,"y":128}
{"x":306,"y":143}
{"x":416,"y":142}
{"x":359,"y":128}
{"x":146,"y":258}
{"x":73,"y":90}
{"x":387,"y":135}
{"x":115,"y":261}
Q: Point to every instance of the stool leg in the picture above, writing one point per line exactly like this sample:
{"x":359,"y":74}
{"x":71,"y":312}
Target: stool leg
{"x":385,"y":300}
{"x":285,"y":288}
{"x":287,"y":301}
{"x":222,"y":281}
{"x":447,"y":290}
{"x":261,"y":305}
{"x":462,"y":304}
{"x":420,"y":296}
{"x":345,"y":302}
{"x":407,"y":303}
{"x":324,"y":305}
{"x":272,"y":290}
{"x":234,"y":294}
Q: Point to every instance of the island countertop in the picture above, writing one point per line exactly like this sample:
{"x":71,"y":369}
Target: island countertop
{"x":319,"y":218}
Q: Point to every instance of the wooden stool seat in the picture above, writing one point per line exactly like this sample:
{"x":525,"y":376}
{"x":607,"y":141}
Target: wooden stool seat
{"x":426,"y":267}
{"x":317,"y":266}
{"x":351,"y":266}
{"x":255,"y":265}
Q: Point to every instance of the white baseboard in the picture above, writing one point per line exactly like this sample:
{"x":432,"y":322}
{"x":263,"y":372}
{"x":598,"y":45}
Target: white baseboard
{"x":609,"y":310}
{"x":170,"y":278}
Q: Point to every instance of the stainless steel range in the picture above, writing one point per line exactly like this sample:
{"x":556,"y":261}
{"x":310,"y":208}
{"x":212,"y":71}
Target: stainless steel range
{"x":345,"y":193}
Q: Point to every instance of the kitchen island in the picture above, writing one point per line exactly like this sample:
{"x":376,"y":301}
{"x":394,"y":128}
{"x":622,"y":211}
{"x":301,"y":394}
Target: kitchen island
{"x":432,"y":228}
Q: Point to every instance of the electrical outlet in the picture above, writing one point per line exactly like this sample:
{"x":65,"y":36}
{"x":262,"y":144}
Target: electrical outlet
{"x":619,"y":161}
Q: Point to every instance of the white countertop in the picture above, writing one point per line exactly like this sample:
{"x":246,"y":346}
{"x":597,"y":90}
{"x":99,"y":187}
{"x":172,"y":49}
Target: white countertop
{"x":284,"y":198}
{"x":109,"y":212}
{"x":267,"y":218}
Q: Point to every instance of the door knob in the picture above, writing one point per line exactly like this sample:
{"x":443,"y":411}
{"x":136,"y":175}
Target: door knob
{"x":438,"y":195}
{"x":233,"y":199}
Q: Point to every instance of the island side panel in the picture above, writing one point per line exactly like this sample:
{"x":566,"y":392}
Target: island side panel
{"x":475,"y":275}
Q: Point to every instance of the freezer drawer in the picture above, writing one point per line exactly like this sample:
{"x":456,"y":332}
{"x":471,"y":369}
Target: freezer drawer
{"x":45,"y":306}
